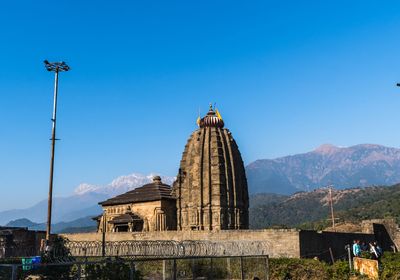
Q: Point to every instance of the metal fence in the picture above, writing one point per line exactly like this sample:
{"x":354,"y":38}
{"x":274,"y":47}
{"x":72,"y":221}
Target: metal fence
{"x":153,"y":248}
{"x":243,"y":267}
{"x":11,"y":249}
{"x":166,"y":249}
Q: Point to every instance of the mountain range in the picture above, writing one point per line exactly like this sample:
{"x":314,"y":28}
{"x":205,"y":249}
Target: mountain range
{"x":83,"y":202}
{"x":84,"y":224}
{"x":344,"y":167}
{"x":306,"y":210}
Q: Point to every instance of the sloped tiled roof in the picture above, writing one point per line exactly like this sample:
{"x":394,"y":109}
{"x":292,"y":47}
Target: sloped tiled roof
{"x":150,"y":192}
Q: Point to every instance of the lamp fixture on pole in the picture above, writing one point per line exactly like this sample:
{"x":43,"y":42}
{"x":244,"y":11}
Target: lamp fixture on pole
{"x":55,"y":67}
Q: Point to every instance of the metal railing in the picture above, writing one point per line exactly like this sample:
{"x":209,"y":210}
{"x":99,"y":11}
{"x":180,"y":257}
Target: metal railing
{"x":243,"y":267}
{"x":166,"y":249}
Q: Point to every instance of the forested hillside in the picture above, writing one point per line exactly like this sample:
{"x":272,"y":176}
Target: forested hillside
{"x":310,"y":209}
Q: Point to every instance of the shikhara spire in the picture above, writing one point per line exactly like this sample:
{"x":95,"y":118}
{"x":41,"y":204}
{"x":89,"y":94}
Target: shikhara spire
{"x":211,"y":188}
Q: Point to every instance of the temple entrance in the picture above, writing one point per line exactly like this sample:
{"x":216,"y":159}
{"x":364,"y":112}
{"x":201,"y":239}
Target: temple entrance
{"x":138,"y":226}
{"x":128,"y":222}
{"x":121,"y":228}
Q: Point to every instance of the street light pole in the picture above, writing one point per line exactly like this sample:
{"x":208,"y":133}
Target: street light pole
{"x":55,"y":67}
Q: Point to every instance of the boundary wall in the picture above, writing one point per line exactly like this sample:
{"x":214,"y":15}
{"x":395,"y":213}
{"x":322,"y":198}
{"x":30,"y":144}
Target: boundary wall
{"x":289,"y":243}
{"x":279,"y":243}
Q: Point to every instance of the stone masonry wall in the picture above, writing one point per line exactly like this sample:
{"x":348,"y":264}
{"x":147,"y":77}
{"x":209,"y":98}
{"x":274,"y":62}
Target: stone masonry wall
{"x":281,"y":243}
{"x":317,"y":244}
{"x":386,"y":231}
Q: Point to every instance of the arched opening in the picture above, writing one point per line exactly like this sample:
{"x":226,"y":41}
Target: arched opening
{"x":128,"y":222}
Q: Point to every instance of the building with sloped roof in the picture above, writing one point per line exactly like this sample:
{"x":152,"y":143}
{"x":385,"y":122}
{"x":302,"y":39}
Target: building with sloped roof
{"x":151,"y":207}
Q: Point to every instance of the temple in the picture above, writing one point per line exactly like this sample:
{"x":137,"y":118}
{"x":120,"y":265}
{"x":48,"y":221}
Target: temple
{"x":211,"y":187}
{"x":210,"y":192}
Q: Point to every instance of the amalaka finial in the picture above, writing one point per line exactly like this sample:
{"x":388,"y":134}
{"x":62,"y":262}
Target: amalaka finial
{"x":157,"y":180}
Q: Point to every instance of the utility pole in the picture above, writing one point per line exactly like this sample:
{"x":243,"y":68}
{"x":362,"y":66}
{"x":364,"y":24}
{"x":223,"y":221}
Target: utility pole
{"x":331,"y":205}
{"x":55,"y":67}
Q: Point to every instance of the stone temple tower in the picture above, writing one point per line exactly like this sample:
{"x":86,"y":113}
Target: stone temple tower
{"x":211,"y":187}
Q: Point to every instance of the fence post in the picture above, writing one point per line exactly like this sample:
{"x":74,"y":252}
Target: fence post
{"x":348,"y":248}
{"x":211,"y":276}
{"x":241,"y":268}
{"x":267,"y":267}
{"x":14,"y":272}
{"x":331,"y":253}
{"x":228,"y":267}
{"x":174,"y":268}
{"x":193,"y":269}
{"x":131,"y":270}
{"x":79,"y":271}
{"x":163,"y":269}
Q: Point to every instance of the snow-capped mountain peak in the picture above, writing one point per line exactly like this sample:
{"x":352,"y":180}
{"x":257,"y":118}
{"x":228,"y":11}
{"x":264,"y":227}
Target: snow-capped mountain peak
{"x":85,"y":188}
{"x":121,"y":184}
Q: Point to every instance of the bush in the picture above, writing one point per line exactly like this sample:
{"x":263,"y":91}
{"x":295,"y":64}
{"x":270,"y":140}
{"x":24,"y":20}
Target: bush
{"x":115,"y":270}
{"x":298,"y":269}
{"x":390,"y":266}
{"x":339,"y":270}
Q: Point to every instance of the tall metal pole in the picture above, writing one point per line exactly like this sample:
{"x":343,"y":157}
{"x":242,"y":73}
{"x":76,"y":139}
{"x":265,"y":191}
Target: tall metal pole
{"x":53,"y":145}
{"x":180,"y":199}
{"x":103,"y":240}
{"x":55,"y":67}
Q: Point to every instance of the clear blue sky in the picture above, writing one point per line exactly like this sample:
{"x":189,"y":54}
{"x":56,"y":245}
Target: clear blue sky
{"x":287,"y":76}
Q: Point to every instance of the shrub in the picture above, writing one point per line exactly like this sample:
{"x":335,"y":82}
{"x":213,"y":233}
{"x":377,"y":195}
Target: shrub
{"x":115,"y":270}
{"x":284,"y":268}
{"x":390,"y":266}
{"x":339,"y":270}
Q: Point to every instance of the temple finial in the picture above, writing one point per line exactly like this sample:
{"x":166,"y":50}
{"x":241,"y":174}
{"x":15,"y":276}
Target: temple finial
{"x":211,"y":107}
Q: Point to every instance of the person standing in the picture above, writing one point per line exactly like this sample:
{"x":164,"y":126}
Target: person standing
{"x":356,"y":248}
{"x":375,"y":250}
